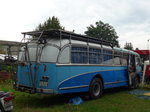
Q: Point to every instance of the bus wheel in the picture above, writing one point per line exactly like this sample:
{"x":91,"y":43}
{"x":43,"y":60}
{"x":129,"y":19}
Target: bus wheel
{"x":136,"y":82}
{"x":95,"y":90}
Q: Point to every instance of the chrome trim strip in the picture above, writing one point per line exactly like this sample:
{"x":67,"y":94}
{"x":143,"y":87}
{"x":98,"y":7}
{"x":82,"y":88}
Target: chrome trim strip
{"x":73,"y":87}
{"x":70,"y":64}
{"x":109,"y":83}
{"x":37,"y":89}
{"x":45,"y":90}
{"x":18,"y":85}
{"x":87,"y":73}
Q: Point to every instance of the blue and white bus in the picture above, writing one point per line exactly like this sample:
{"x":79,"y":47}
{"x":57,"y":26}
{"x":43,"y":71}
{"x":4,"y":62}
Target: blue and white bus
{"x":58,"y":62}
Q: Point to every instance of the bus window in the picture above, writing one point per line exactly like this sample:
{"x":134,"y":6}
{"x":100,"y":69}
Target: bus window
{"x":79,"y":55}
{"x":49,"y":54}
{"x":132,"y":60}
{"x":65,"y":55}
{"x":138,"y":61}
{"x":23,"y":54}
{"x":32,"y":53}
{"x":107,"y":56}
{"x":95,"y":56}
{"x":124,"y":59}
{"x":117,"y":58}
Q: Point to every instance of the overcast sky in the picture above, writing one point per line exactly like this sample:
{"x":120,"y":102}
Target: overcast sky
{"x":130,"y":18}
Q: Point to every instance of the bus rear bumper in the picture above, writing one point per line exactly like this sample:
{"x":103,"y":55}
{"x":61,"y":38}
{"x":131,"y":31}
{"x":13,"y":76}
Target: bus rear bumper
{"x":45,"y":91}
{"x":32,"y":90}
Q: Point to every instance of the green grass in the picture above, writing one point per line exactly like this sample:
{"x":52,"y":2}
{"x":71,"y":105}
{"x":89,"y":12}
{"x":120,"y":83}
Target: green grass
{"x":113,"y":100}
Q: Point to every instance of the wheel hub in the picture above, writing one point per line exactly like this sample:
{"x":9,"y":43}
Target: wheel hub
{"x":96,"y":89}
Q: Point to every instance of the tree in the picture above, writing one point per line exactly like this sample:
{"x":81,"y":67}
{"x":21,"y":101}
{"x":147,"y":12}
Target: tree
{"x":103,"y":31}
{"x":137,"y":49}
{"x":128,"y":45}
{"x":50,"y":23}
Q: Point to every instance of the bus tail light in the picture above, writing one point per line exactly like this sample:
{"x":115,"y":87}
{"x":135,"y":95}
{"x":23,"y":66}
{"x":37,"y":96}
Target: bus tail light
{"x":45,"y":77}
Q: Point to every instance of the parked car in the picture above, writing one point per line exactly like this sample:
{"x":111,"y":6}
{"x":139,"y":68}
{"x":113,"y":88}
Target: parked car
{"x":8,"y":58}
{"x":2,"y":57}
{"x":5,"y":102}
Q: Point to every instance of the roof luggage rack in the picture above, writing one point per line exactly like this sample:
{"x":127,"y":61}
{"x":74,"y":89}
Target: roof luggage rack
{"x":67,"y":35}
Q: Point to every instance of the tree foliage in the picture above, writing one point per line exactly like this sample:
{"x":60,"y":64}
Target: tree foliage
{"x":137,"y":49}
{"x":128,"y":45}
{"x":103,"y":31}
{"x":50,"y":23}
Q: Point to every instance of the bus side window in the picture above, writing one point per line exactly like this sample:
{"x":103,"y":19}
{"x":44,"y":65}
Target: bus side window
{"x":132,"y":60}
{"x":95,"y":56}
{"x":64,"y":57}
{"x":124,"y":59}
{"x":137,"y":60}
{"x":107,"y":56}
{"x":117,"y":58}
{"x":79,"y":55}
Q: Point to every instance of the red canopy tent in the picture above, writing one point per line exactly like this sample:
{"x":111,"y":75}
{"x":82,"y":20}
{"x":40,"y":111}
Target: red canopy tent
{"x":144,"y":54}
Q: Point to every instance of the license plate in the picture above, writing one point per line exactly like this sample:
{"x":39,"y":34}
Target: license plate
{"x":43,"y":83}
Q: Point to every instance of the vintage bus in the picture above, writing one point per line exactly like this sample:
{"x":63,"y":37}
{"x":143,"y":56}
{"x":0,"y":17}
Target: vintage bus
{"x":58,"y":62}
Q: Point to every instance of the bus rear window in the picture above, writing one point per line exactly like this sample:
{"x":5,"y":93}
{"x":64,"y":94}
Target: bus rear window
{"x":23,"y":55}
{"x":49,"y":54}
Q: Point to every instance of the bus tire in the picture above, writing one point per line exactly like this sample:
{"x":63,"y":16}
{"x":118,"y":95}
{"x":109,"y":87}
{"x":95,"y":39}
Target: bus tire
{"x":95,"y":90}
{"x":136,"y":82}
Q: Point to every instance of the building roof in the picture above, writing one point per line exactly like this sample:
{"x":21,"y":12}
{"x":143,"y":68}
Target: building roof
{"x":12,"y":43}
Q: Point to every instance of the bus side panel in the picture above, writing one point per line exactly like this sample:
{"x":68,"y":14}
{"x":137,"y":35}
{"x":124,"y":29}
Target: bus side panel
{"x":122,"y":76}
{"x":78,"y":78}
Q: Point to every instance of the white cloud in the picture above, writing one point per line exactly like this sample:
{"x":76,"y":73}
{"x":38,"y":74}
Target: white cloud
{"x":130,"y":18}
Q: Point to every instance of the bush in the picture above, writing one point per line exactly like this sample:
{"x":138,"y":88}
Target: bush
{"x":7,"y":68}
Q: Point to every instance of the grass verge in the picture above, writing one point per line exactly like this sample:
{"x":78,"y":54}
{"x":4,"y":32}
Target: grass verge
{"x":113,"y":100}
